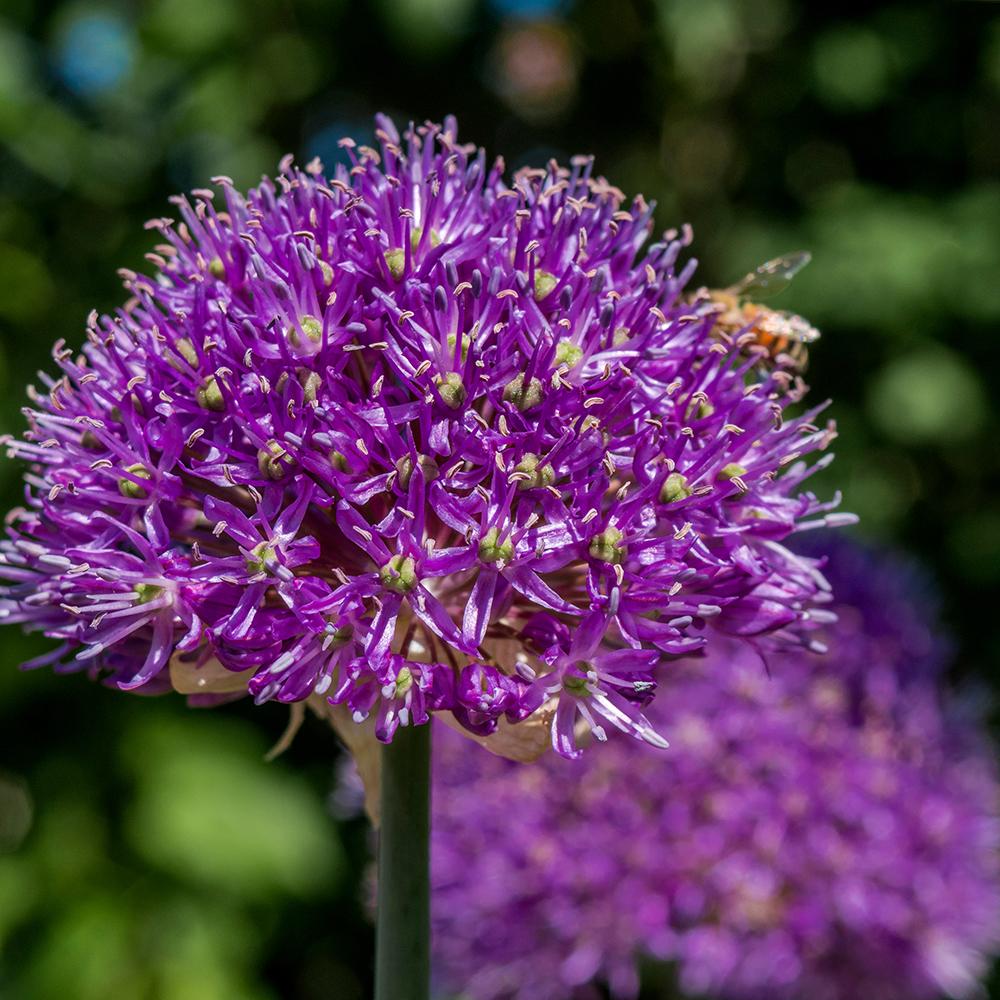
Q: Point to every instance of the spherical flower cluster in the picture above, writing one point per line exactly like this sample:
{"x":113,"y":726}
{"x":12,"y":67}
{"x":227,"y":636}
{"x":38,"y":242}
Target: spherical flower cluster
{"x":414,"y":438}
{"x":825,"y":832}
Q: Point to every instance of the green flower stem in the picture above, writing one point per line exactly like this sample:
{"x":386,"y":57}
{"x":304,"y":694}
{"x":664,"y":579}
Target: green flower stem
{"x":402,"y":936}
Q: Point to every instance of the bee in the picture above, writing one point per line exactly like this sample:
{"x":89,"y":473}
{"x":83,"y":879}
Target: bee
{"x":779,"y":337}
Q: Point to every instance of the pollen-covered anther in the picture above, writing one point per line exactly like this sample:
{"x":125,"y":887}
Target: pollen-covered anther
{"x":399,"y":574}
{"x":274,"y":461}
{"x":492,"y":550}
{"x":606,"y":546}
{"x":130,"y":489}
{"x":524,"y":394}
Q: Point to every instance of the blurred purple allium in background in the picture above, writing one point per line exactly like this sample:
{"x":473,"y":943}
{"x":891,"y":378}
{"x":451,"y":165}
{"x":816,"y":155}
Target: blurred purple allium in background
{"x":413,"y":437}
{"x":827,"y":832}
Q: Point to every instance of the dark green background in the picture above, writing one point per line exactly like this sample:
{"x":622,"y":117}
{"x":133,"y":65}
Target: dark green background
{"x":146,"y":851}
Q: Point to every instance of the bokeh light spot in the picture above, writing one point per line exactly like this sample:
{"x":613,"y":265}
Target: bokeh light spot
{"x":974,"y":545}
{"x":428,"y":26}
{"x":25,"y":284}
{"x":203,"y":789}
{"x":930,"y":395}
{"x":528,"y":8}
{"x":94,"y":52}
{"x":535,"y":68}
{"x":707,"y":42}
{"x":16,"y":812}
{"x":192,"y":26}
{"x":15,"y":69}
{"x":852,"y":67}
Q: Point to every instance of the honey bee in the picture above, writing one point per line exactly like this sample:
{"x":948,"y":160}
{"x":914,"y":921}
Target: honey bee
{"x":779,"y":337}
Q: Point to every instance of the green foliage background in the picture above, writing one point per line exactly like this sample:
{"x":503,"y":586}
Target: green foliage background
{"x":147,"y":851}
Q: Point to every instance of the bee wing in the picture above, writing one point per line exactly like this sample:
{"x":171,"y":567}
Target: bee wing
{"x":773,"y":276}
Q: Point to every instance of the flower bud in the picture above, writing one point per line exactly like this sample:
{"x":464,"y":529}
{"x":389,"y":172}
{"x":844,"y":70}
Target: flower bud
{"x":524,"y":395}
{"x":260,"y":556}
{"x":310,"y":382}
{"x":404,"y":681}
{"x":731,"y":471}
{"x":492,"y":550}
{"x":399,"y":574}
{"x":675,"y":487}
{"x":404,"y":469}
{"x":568,"y":353}
{"x":605,"y":546}
{"x":185,"y":348}
{"x":146,"y":592}
{"x":415,"y":234}
{"x":534,"y":474}
{"x":312,"y":328}
{"x":209,"y":396}
{"x":130,"y":489}
{"x":452,"y":389}
{"x":544,"y":283}
{"x":395,"y":260}
{"x":273,"y":461}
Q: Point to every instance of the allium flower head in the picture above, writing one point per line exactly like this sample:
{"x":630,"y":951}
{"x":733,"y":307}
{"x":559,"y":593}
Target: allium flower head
{"x":415,"y":438}
{"x":825,"y":832}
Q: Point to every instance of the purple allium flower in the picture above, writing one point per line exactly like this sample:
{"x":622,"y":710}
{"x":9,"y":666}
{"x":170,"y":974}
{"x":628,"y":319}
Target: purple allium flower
{"x":417,"y":439}
{"x":826,"y":832}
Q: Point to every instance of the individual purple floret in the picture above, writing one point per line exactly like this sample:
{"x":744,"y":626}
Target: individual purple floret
{"x":415,"y":438}
{"x":826,"y":832}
